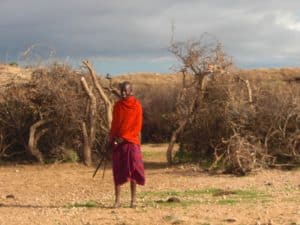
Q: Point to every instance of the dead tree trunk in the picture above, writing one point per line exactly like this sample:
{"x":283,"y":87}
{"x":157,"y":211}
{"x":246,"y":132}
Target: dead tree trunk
{"x":89,"y":136}
{"x":249,"y":91}
{"x":173,"y":141}
{"x":181,"y":125}
{"x":87,"y":152}
{"x":103,"y":95}
{"x":34,"y":137}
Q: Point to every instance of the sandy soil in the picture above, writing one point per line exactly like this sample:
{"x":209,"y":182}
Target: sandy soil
{"x":67,"y":194}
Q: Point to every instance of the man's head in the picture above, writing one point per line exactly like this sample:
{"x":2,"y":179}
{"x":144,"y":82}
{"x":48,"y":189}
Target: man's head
{"x":126,"y":89}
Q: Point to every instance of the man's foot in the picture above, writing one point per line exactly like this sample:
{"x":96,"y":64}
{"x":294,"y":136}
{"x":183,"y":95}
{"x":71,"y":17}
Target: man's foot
{"x":116,"y":205}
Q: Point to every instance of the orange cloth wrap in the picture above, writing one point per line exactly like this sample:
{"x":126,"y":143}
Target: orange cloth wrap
{"x":127,"y":120}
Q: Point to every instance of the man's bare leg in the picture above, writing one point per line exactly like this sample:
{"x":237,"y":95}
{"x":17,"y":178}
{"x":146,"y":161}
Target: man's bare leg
{"x":133,"y":194}
{"x":117,"y":196}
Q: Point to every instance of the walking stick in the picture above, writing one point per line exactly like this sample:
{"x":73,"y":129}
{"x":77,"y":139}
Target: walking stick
{"x":104,"y":167}
{"x":103,"y":159}
{"x":99,"y":165}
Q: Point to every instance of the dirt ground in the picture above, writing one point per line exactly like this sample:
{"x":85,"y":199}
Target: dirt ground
{"x":67,"y":194}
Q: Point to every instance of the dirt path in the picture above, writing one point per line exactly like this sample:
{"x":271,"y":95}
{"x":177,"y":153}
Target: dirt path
{"x":67,"y":194}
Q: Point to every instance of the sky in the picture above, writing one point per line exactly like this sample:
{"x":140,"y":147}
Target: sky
{"x":133,"y":35}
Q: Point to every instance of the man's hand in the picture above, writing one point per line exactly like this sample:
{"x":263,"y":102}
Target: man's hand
{"x":117,"y":141}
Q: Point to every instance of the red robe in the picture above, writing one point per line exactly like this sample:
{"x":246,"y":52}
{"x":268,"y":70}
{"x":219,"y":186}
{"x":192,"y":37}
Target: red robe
{"x":127,"y":120}
{"x":127,"y":157}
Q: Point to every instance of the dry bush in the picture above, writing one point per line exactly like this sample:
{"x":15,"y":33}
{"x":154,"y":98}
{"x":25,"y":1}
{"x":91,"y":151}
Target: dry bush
{"x":52,"y":107}
{"x":15,"y":119}
{"x":59,"y":98}
{"x":278,"y":120}
{"x":234,"y":120}
{"x":158,"y":108}
{"x":230,"y":131}
{"x":200,"y":61}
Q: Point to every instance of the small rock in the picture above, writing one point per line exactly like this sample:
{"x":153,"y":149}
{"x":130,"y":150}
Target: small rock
{"x":173,"y":199}
{"x":177,"y":222}
{"x":230,"y":220}
{"x":10,"y":196}
{"x":269,"y":184}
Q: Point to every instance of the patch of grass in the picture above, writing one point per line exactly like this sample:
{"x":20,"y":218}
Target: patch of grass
{"x":251,"y":194}
{"x":169,"y":218}
{"x":70,"y":156}
{"x":206,"y":164}
{"x":153,"y":154}
{"x":229,"y":201}
{"x":203,"y":196}
{"x":210,"y":191}
{"x":245,"y":196}
{"x":183,"y":156}
{"x":157,"y":145}
{"x":188,"y":192}
{"x":88,"y":204}
{"x":183,"y":203}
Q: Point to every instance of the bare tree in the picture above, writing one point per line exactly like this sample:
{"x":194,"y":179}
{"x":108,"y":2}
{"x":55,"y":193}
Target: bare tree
{"x":199,"y":60}
{"x":89,"y":137}
{"x":104,"y":97}
{"x":105,"y":121}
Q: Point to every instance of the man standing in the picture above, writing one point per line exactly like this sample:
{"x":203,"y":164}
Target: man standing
{"x":125,"y":137}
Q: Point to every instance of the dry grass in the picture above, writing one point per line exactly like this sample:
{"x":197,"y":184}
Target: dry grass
{"x":10,"y":74}
{"x":150,"y":79}
{"x":144,"y":80}
{"x":272,"y":74}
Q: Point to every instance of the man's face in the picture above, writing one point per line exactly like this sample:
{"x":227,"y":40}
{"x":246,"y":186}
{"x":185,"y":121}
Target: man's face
{"x":126,"y":90}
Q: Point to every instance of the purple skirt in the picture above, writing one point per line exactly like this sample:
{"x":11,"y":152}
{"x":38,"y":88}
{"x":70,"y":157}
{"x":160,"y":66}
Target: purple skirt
{"x":128,"y":164}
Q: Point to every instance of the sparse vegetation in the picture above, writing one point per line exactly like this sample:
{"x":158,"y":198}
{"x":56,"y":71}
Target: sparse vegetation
{"x":233,"y":123}
{"x":204,"y":196}
{"x":88,"y":204}
{"x":221,"y":117}
{"x":41,"y":119}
